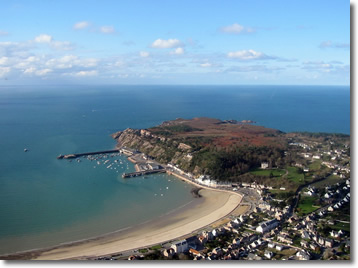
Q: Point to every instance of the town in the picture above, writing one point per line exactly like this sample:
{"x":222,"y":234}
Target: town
{"x":310,"y":223}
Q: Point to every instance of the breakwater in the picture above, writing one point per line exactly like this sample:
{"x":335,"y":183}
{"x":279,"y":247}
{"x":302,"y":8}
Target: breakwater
{"x":69,"y":156}
{"x":142,"y":173}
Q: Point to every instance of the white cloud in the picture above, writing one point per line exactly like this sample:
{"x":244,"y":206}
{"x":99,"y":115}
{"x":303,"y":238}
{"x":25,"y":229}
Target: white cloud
{"x":236,"y":29}
{"x":178,"y":51}
{"x":70,"y":61}
{"x":4,"y":71}
{"x":144,"y":54}
{"x":43,"y":72}
{"x":248,"y":55}
{"x":62,"y":45}
{"x":206,"y":65}
{"x":33,"y":71}
{"x":85,"y":73}
{"x":43,"y":38}
{"x":4,"y":60}
{"x":58,"y":45}
{"x":254,"y":68}
{"x":107,"y":29}
{"x":170,"y":43}
{"x":81,"y":25}
{"x":30,"y":70}
{"x":330,"y":44}
{"x":333,"y":67}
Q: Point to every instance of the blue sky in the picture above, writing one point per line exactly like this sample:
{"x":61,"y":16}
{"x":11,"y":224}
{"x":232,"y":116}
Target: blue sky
{"x":296,"y":42}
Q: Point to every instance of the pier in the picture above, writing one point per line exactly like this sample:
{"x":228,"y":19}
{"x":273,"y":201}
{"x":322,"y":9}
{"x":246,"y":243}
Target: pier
{"x":142,"y":173}
{"x":69,"y":156}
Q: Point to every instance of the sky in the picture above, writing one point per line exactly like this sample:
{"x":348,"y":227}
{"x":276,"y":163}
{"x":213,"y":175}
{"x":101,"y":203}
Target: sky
{"x":233,"y":42}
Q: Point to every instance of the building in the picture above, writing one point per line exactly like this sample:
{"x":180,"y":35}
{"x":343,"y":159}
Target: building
{"x":267,"y":226}
{"x":180,"y":246}
{"x":264,"y":165}
{"x":268,"y":254}
{"x":127,"y":151}
{"x":168,"y":252}
{"x":195,"y":252}
{"x":303,"y":255}
{"x":153,"y":166}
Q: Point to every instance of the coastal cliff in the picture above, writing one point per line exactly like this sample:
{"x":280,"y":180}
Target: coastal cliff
{"x":201,"y":145}
{"x":163,"y":149}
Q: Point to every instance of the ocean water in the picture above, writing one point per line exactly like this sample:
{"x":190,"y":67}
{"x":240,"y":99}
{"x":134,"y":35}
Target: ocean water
{"x":45,"y":201}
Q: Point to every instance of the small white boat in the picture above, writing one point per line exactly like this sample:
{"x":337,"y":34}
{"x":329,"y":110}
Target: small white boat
{"x":25,"y":150}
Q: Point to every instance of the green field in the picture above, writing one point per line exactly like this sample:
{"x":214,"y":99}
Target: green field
{"x":316,"y":165}
{"x":267,"y":172}
{"x":328,"y":181}
{"x":341,"y":226}
{"x":306,"y":205}
{"x":156,"y":247}
{"x":295,"y":176}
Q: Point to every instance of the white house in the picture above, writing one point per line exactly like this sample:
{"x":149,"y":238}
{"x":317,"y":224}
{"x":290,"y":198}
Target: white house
{"x":302,"y":255}
{"x":268,"y":254}
{"x":271,"y":245}
{"x":264,"y":165}
{"x":267,"y":226}
{"x":180,"y":246}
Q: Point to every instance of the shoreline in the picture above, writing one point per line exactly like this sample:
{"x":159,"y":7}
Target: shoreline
{"x":168,"y":228}
{"x":214,"y":205}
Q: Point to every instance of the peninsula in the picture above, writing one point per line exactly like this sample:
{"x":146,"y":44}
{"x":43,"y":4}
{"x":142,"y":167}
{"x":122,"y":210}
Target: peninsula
{"x":258,"y":191}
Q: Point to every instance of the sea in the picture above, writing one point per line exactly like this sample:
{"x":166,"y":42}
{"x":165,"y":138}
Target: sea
{"x":45,"y":202}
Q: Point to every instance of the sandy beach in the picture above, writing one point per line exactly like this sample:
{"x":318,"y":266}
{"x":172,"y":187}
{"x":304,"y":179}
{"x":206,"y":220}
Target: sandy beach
{"x":213,"y":206}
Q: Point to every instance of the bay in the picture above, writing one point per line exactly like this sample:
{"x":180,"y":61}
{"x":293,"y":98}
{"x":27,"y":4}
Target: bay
{"x":44,"y":201}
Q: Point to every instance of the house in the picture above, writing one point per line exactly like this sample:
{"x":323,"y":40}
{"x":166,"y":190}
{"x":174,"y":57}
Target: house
{"x":271,"y":245}
{"x":236,"y":242}
{"x":334,"y":233}
{"x":242,"y":218}
{"x":304,"y":244}
{"x":207,"y":235}
{"x":214,"y":233}
{"x":267,"y":226}
{"x":279,"y":247}
{"x":202,"y":239}
{"x":195,"y":252}
{"x":303,"y":255}
{"x":180,"y":246}
{"x":305,"y":235}
{"x":253,"y":257}
{"x":328,"y":243}
{"x":321,"y":241}
{"x":314,"y":246}
{"x":254,"y":244}
{"x":264,"y":165}
{"x":218,"y":252}
{"x":132,"y":258}
{"x":327,"y":195}
{"x":309,"y":192}
{"x":153,"y":166}
{"x":284,"y":239}
{"x":268,"y":254}
{"x":168,"y":252}
{"x":128,"y":151}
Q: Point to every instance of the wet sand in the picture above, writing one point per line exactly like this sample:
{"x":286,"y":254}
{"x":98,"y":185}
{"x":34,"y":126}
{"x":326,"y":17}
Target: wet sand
{"x":213,"y":206}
